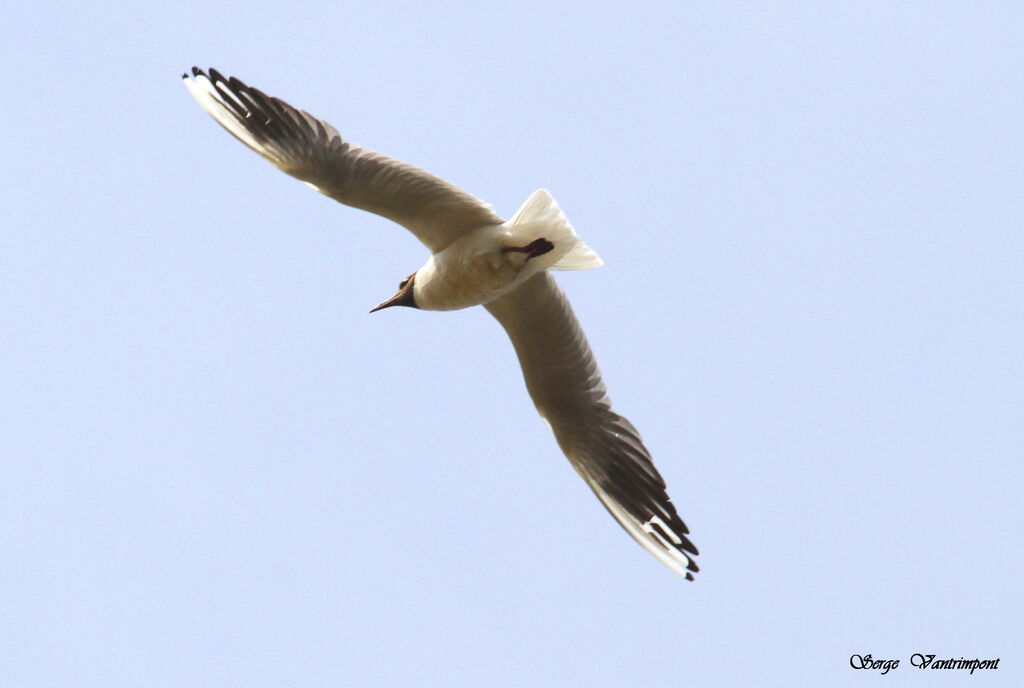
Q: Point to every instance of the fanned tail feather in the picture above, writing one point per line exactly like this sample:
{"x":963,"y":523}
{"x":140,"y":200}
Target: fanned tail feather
{"x":541,"y":216}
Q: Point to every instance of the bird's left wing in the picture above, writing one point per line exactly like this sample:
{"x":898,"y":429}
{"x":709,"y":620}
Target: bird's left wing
{"x":604,"y":448}
{"x":312,"y":150}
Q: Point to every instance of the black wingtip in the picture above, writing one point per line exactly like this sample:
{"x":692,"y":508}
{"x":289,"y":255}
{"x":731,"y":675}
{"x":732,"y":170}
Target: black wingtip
{"x":689,"y":576}
{"x":196,"y":71}
{"x":216,"y":76}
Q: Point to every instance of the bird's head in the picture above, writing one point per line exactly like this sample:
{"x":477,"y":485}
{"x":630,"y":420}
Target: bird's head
{"x":404,"y":296}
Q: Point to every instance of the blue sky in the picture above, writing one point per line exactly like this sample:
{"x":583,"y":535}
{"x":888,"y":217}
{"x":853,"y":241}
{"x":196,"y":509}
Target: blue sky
{"x":219,"y":470}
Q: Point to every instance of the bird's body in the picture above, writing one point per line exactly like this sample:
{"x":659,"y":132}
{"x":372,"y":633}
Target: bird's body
{"x":472,"y":271}
{"x":477,"y":258}
{"x":490,"y":261}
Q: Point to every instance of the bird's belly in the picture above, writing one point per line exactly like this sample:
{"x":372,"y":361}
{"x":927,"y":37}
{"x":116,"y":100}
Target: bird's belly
{"x":470,"y":280}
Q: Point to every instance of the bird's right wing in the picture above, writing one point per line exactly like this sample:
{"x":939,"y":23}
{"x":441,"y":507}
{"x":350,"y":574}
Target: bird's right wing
{"x":605,"y":449}
{"x":312,"y":150}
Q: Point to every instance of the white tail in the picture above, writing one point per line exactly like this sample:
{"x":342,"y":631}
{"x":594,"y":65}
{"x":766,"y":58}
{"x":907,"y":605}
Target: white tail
{"x":540,"y":216}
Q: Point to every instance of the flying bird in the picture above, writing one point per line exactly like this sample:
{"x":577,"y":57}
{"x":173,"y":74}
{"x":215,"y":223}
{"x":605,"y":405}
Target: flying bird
{"x":477,"y":258}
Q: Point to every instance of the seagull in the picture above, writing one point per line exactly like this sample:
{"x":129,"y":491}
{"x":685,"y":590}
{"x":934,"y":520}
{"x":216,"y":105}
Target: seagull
{"x":477,"y":258}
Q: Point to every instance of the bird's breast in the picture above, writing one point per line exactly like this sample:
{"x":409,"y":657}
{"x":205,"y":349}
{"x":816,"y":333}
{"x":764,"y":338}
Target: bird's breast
{"x":471,"y":271}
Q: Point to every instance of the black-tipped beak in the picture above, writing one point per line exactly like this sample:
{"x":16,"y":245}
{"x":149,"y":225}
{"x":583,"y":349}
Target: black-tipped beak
{"x":395,"y":300}
{"x":404,"y":297}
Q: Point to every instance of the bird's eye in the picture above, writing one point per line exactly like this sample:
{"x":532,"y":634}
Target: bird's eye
{"x":401,"y":285}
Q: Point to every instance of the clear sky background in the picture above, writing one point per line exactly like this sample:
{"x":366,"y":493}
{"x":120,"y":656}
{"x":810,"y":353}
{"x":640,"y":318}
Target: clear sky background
{"x":219,"y":470}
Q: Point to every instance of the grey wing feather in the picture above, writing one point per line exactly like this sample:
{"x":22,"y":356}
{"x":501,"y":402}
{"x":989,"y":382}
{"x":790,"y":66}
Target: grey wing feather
{"x":312,"y":150}
{"x":605,"y":449}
